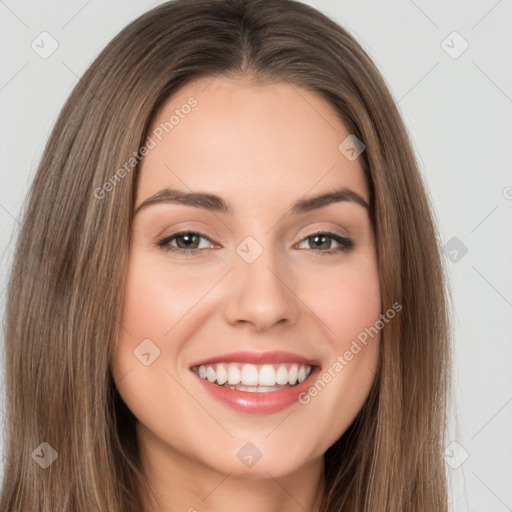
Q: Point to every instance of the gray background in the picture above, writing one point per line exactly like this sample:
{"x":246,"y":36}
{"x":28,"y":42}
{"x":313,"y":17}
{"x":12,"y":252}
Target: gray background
{"x":458,"y":112}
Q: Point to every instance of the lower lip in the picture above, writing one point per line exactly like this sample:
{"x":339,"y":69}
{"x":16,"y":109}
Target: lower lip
{"x":258,"y":403}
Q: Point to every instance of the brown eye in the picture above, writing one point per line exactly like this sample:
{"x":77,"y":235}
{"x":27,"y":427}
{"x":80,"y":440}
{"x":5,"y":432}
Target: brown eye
{"x":323,"y":242}
{"x":185,"y":241}
{"x":190,"y":241}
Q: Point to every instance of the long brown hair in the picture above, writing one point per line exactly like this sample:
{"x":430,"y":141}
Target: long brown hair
{"x":67,"y":281}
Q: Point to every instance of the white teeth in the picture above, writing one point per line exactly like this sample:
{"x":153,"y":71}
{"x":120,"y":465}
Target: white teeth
{"x":249,"y":375}
{"x":267,"y":376}
{"x":254,"y":377}
{"x":222,"y":374}
{"x":282,"y":375}
{"x":210,"y":374}
{"x":294,"y":372}
{"x":233,"y":374}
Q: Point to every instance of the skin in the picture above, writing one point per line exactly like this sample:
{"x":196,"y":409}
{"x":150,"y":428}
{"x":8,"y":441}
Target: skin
{"x":261,"y":147}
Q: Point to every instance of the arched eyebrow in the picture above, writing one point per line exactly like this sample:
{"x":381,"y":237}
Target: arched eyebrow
{"x":215,"y":203}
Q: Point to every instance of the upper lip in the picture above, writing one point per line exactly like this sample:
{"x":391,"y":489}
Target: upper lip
{"x":252,"y":357}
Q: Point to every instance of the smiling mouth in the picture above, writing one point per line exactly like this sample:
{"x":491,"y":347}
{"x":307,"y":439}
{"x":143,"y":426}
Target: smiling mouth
{"x":254,"y":378}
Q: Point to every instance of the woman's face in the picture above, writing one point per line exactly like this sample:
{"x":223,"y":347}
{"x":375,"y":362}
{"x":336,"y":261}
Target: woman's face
{"x":262,"y":290}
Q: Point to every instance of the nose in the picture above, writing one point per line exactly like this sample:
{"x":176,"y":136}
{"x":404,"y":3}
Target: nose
{"x":261,"y":294}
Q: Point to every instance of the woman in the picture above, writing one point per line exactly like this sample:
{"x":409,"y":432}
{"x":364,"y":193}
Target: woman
{"x":227,"y":289}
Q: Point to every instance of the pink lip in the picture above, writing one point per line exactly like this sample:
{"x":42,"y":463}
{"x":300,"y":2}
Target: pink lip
{"x":278,"y":356}
{"x":259,"y":403}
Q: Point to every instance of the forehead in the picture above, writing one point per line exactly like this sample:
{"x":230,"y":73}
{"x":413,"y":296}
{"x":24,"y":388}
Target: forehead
{"x":235,"y":137}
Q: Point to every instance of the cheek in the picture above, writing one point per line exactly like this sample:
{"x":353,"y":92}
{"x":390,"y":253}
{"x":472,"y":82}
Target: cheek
{"x":155,"y":301}
{"x":158,"y":297}
{"x":150,"y":309}
{"x":159,"y":301}
{"x":346,"y":300}
{"x":348,"y":303}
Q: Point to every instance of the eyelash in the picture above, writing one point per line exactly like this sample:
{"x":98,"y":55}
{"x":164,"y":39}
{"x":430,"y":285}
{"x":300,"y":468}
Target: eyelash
{"x":345,"y":244}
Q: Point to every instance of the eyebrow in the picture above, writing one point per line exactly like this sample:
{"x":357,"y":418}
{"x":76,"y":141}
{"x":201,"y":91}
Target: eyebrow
{"x":215,"y":203}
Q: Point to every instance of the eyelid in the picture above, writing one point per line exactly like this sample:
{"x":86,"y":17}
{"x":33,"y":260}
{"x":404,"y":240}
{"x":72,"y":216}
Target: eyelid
{"x":327,"y":231}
